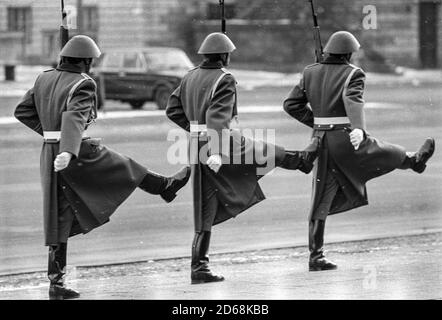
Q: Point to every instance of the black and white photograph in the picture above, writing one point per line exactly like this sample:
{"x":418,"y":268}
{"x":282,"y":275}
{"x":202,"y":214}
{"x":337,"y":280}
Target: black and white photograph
{"x":221,"y":155}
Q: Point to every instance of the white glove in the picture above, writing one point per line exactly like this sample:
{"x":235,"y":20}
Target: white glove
{"x":214,"y":162}
{"x":62,"y":161}
{"x":356,"y":138}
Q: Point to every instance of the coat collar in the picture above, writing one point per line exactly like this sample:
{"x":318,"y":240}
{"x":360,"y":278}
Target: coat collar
{"x":211,"y":65}
{"x":70,"y":68}
{"x":334,"y":60}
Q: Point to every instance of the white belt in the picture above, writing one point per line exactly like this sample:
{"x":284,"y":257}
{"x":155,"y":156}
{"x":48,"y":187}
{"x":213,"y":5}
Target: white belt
{"x":55,"y":135}
{"x":331,"y":120}
{"x":194,"y":128}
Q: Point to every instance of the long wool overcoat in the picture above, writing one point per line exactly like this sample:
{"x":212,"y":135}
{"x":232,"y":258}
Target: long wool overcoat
{"x":98,"y":179}
{"x":334,"y":88}
{"x":207,"y":96}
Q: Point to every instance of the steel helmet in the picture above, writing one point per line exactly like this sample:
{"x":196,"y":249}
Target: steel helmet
{"x":216,"y":42}
{"x":342,"y":42}
{"x":81,"y":47}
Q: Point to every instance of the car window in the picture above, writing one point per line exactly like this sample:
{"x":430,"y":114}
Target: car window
{"x":168,"y":60}
{"x":112,"y":60}
{"x":132,"y":61}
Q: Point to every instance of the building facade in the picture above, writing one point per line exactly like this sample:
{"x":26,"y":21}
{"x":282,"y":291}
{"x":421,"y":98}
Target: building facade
{"x":407,"y":32}
{"x":29,"y":29}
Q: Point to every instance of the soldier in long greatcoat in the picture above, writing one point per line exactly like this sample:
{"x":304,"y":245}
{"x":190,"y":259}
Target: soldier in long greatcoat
{"x":205,"y":105}
{"x":83,"y":181}
{"x":348,"y":156}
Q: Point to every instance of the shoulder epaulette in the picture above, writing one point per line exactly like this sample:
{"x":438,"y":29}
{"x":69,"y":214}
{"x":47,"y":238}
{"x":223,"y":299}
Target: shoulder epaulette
{"x":194,"y":68}
{"x":77,"y":84}
{"x":88,"y":77}
{"x":312,"y":65}
{"x":49,"y":70}
{"x":225,"y":71}
{"x":355,"y":67}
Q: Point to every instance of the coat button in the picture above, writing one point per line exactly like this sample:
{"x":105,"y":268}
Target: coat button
{"x":332,"y":126}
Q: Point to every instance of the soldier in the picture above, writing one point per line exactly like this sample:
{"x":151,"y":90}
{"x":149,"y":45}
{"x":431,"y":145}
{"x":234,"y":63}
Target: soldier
{"x":83,"y":181}
{"x":348,"y":156}
{"x":205,"y":104}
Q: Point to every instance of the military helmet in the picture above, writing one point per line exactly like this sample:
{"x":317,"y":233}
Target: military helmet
{"x":81,"y":47}
{"x":342,"y":42}
{"x":216,"y":42}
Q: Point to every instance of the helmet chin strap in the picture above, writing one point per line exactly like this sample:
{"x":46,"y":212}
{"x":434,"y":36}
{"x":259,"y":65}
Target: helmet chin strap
{"x":87,"y":64}
{"x":348,"y":56}
{"x":225,"y":58}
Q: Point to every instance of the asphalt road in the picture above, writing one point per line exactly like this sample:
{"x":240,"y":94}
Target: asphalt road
{"x":146,"y":228}
{"x":386,"y":268}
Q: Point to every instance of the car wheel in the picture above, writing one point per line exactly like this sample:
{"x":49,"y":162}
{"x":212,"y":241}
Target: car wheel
{"x":162,"y":95}
{"x":136,"y":104}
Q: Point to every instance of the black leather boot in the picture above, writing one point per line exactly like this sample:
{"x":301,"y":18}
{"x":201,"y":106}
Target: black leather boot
{"x":175,"y":183}
{"x":302,"y":160}
{"x":419,"y":160}
{"x":200,"y":272}
{"x":317,"y":261}
{"x":166,"y":187}
{"x":56,"y":273}
{"x":297,"y":160}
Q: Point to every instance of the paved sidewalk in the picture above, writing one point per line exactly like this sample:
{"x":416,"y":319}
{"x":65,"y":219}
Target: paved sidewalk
{"x":407,"y":267}
{"x":247,"y":79}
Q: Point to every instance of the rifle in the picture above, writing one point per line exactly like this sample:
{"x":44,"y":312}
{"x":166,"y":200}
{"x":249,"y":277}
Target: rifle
{"x":64,"y":31}
{"x":319,"y":53}
{"x":223,"y":16}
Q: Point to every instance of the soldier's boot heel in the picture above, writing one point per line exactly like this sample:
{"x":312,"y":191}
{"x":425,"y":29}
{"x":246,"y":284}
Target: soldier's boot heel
{"x":321,"y":264}
{"x":296,"y":160}
{"x":425,"y":152}
{"x":302,"y":160}
{"x":306,"y":164}
{"x":309,"y":155}
{"x":168,"y":196}
{"x":199,"y":277}
{"x":60,"y":292}
{"x":175,"y":183}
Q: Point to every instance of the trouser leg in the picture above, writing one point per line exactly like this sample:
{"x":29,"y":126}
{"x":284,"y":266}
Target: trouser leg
{"x":166,"y":187}
{"x":209,"y":206}
{"x":65,"y":220}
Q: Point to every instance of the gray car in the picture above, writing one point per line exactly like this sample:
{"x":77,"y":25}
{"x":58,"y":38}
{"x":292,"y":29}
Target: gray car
{"x":138,"y":75}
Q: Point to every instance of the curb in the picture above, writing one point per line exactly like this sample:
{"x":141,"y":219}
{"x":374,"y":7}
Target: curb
{"x":220,"y":254}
